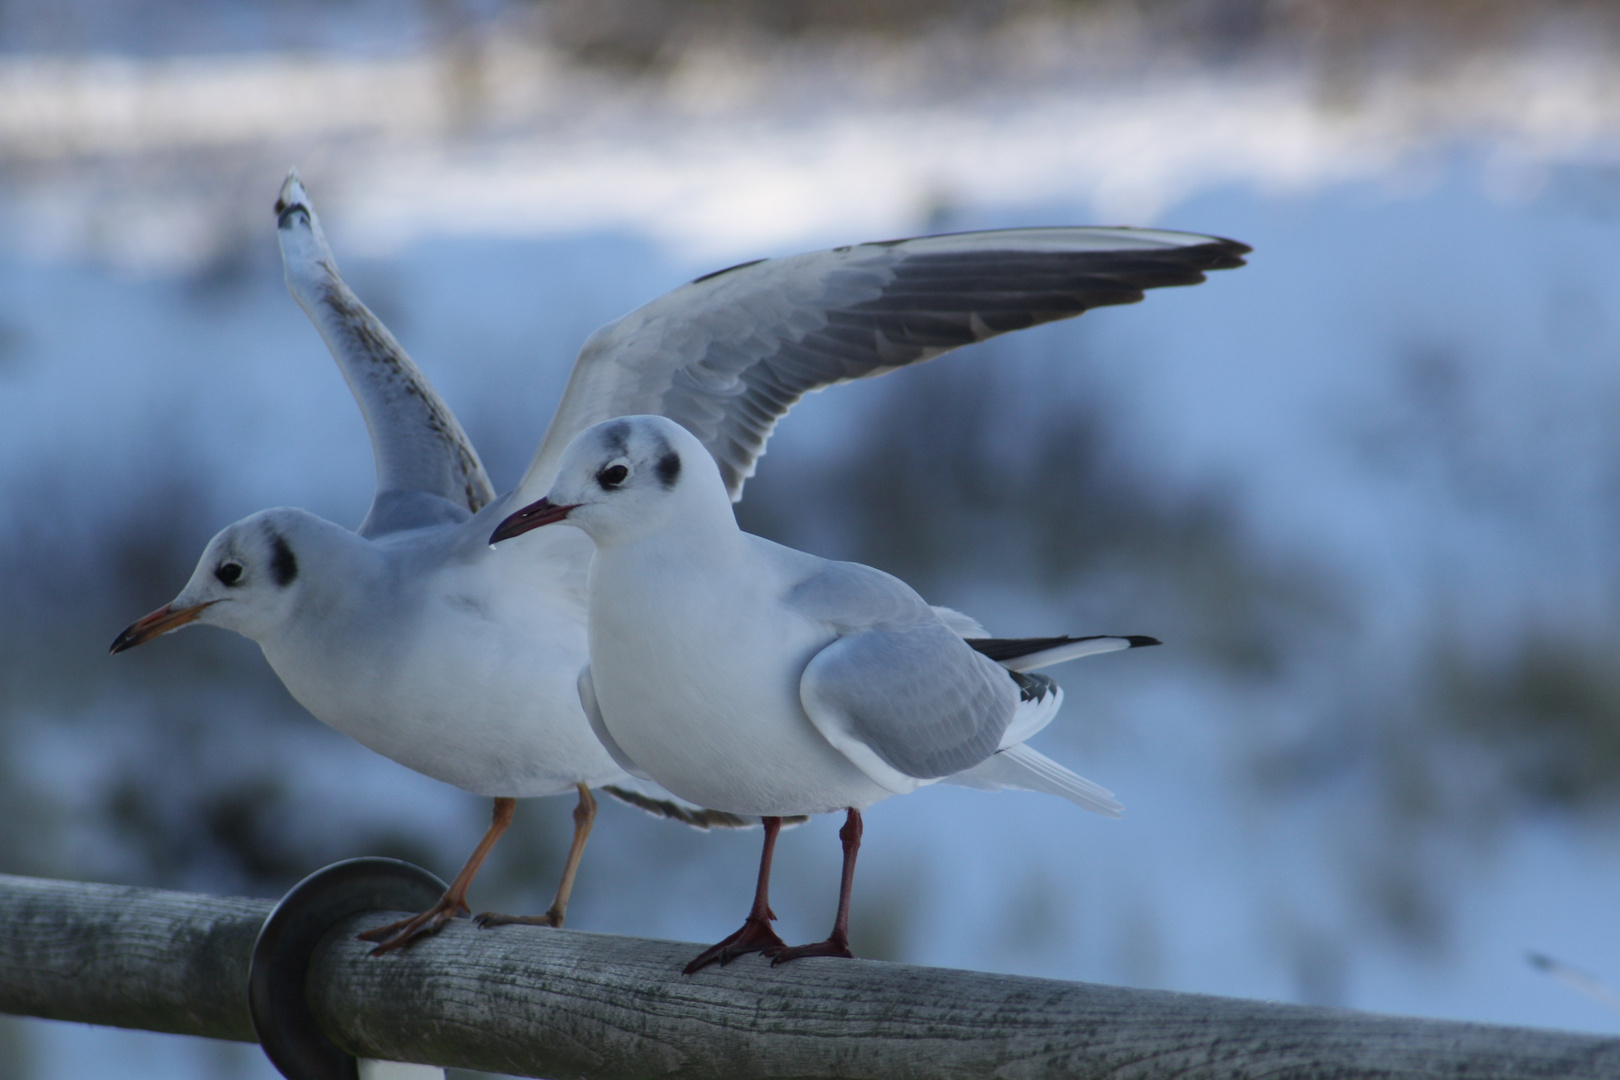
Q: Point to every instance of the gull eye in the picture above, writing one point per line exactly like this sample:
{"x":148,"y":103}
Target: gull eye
{"x":229,"y":573}
{"x":612,"y":476}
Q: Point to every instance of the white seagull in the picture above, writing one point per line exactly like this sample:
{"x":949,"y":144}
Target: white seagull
{"x":756,"y":679}
{"x":416,"y":638}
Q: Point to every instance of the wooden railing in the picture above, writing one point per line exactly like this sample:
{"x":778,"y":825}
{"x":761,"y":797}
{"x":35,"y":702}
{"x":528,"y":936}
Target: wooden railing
{"x":546,"y":1003}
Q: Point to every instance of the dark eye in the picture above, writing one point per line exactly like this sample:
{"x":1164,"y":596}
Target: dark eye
{"x":229,"y":573}
{"x":612,"y":476}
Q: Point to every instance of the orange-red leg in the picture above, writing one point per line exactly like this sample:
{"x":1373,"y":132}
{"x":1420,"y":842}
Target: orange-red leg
{"x":756,"y":934}
{"x":837,"y":944}
{"x":584,"y":817}
{"x":397,"y":935}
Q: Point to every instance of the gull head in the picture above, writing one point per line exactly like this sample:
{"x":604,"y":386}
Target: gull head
{"x":247,"y":580}
{"x":624,"y":478}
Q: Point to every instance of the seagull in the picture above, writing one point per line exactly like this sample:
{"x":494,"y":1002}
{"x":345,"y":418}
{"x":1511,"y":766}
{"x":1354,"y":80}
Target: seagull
{"x":414,"y":636}
{"x":746,"y":676}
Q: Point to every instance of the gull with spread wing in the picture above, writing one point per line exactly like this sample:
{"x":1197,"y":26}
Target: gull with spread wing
{"x":416,"y":638}
{"x":756,"y":679}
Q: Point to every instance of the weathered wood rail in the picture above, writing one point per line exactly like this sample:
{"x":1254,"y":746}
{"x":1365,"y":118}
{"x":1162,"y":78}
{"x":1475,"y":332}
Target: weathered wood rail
{"x":535,"y":1002}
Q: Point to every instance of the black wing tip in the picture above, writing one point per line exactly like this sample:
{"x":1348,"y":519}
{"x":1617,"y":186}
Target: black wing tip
{"x":1003,"y":649}
{"x":291,"y":199}
{"x":1033,"y":686}
{"x":287,"y":213}
{"x":1223,"y":254}
{"x":1214,"y":253}
{"x":1235,"y":248}
{"x":999,"y":649}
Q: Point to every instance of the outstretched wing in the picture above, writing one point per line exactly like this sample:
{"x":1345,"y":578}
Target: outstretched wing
{"x":427,"y":469}
{"x":728,"y":354}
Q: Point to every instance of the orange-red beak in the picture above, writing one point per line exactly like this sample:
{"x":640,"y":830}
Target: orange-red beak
{"x":160,"y":622}
{"x":532,"y":516}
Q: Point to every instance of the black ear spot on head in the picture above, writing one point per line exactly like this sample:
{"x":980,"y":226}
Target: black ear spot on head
{"x":283,"y":564}
{"x":669,"y":469}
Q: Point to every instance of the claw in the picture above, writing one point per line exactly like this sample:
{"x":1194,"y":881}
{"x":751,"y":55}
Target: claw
{"x":487,"y":919}
{"x":833,"y":946}
{"x":756,"y":935}
{"x":406,"y":932}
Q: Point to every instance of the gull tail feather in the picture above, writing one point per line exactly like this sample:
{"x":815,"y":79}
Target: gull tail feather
{"x":695,"y":816}
{"x":1026,"y":769}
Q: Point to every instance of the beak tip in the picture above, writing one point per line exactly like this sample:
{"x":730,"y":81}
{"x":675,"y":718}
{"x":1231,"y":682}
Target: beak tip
{"x":543,"y":512}
{"x":127,"y":639}
{"x":160,"y":622}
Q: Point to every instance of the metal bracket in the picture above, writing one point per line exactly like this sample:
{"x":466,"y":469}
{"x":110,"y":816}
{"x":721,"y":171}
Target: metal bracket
{"x":286,"y":1028}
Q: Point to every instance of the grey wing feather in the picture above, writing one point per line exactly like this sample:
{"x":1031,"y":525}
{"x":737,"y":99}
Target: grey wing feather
{"x":899,"y":681}
{"x":849,"y":596}
{"x":667,"y":807}
{"x":920,"y":699}
{"x":728,"y":354}
{"x":427,"y":469}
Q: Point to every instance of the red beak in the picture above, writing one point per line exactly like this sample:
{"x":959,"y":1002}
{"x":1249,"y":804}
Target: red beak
{"x":160,"y":622}
{"x":544,"y":512}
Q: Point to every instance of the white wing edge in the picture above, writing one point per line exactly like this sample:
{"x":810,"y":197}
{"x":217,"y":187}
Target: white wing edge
{"x":593,"y":713}
{"x":1031,"y":718}
{"x":1028,"y":770}
{"x":834,"y":727}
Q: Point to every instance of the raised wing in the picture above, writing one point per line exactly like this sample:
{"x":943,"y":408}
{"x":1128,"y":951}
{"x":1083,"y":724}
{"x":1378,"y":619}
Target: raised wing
{"x":427,"y":469}
{"x":728,"y":354}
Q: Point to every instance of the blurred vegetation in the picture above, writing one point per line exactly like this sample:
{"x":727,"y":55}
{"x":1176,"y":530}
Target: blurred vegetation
{"x":645,"y":34}
{"x":1550,"y":712}
{"x":649,"y":36}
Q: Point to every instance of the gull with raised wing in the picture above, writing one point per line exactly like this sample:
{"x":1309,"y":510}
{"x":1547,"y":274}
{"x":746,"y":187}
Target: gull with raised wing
{"x":414,"y":637}
{"x":756,"y":679}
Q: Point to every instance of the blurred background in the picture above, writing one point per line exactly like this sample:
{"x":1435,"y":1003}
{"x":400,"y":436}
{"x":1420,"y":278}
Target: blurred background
{"x":1367,"y":490}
